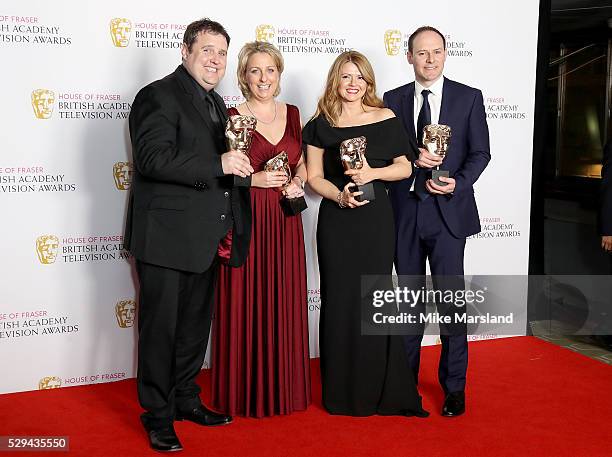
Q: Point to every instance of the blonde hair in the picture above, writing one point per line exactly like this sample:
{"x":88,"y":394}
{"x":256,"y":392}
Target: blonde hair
{"x":330,"y":103}
{"x":243,"y":57}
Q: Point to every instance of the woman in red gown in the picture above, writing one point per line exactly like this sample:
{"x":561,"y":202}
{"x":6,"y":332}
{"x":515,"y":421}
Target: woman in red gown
{"x":260,"y":355}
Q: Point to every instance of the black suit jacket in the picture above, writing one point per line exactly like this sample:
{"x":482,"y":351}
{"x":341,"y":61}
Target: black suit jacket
{"x":605,"y":213}
{"x":178,"y":208}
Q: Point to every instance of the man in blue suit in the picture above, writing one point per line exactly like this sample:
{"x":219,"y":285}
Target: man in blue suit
{"x":433,"y":221}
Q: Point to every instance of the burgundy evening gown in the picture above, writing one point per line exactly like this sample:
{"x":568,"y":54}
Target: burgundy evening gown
{"x":260,"y":353}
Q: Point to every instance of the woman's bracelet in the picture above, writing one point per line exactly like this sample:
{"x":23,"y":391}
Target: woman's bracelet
{"x":341,"y":203}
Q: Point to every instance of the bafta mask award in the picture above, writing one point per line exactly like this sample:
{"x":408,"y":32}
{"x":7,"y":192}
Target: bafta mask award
{"x":239,"y":135}
{"x":352,"y":152}
{"x":280,"y":162}
{"x":436,"y":139}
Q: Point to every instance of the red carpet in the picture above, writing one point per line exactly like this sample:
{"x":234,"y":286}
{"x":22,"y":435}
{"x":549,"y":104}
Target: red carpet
{"x":525,"y":397}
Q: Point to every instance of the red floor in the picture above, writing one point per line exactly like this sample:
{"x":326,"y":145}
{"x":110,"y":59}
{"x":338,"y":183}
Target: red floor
{"x":525,"y":397}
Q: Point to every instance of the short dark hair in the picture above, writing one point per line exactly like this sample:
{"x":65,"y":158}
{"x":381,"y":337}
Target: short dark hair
{"x":203,"y":26}
{"x":425,"y":28}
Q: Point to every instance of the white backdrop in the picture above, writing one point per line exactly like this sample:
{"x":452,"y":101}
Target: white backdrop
{"x":67,"y":300}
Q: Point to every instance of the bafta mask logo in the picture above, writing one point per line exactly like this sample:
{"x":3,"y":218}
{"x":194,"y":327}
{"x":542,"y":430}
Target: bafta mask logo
{"x":42,"y":103}
{"x":393,"y":38}
{"x":122,"y":173}
{"x":46,"y":248}
{"x":265,"y":32}
{"x":125,"y":310}
{"x":120,"y":30}
{"x":49,"y":382}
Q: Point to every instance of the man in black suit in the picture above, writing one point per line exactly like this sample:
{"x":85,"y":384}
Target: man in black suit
{"x":182,"y":208}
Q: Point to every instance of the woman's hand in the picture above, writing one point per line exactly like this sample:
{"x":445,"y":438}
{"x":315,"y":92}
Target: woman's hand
{"x":362,"y":175}
{"x":294,"y":189}
{"x":268,"y":179}
{"x":347,"y":198}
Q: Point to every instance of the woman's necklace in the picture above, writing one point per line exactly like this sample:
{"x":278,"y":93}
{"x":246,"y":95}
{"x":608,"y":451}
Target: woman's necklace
{"x":259,"y":120}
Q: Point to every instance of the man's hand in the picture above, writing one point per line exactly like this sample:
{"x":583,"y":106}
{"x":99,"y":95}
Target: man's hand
{"x":427,"y":159}
{"x":236,"y":163}
{"x":606,"y":243}
{"x":433,"y":188}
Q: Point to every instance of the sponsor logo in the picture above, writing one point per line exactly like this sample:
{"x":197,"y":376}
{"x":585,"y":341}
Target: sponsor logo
{"x":79,"y":105}
{"x":496,"y":227}
{"x":122,"y":174}
{"x":30,"y":30}
{"x":42,"y":103}
{"x":23,"y":324}
{"x":498,"y":108}
{"x":49,"y":382}
{"x":396,"y":42}
{"x":265,"y":32}
{"x":125,"y":311}
{"x":94,"y":378}
{"x":152,"y":35}
{"x":33,"y":179}
{"x":46,"y":249}
{"x":120,"y":31}
{"x":69,"y":249}
{"x":393,"y":42}
{"x":301,"y":40}
{"x":457,"y":48}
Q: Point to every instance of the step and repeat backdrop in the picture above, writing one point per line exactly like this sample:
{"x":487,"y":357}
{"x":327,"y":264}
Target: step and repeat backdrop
{"x":70,"y":71}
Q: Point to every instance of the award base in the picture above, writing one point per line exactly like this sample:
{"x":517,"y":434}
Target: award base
{"x":293,"y":206}
{"x":368,"y":192}
{"x":239,"y":181}
{"x":435,"y":176}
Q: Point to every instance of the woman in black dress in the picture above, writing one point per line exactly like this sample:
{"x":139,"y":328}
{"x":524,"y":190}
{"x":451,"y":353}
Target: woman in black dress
{"x":361,"y":374}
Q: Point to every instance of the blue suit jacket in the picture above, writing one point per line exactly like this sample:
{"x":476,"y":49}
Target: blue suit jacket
{"x":468,"y":154}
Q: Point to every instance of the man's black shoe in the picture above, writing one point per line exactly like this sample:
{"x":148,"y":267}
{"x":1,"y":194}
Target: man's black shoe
{"x":164,"y":439}
{"x":454,"y":404}
{"x":204,"y":416}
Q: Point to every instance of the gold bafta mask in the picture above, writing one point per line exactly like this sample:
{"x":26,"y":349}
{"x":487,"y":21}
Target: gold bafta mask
{"x":49,"y":382}
{"x":436,"y":138}
{"x":46,"y":248}
{"x":393,"y":39}
{"x":125,"y":310}
{"x":239,"y":132}
{"x":42,"y":103}
{"x":120,"y":30}
{"x":280,"y":162}
{"x":352,"y":152}
{"x":265,"y":32}
{"x":122,"y":173}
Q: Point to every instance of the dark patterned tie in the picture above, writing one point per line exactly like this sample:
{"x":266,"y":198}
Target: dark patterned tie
{"x":213,"y":111}
{"x":423,"y":120}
